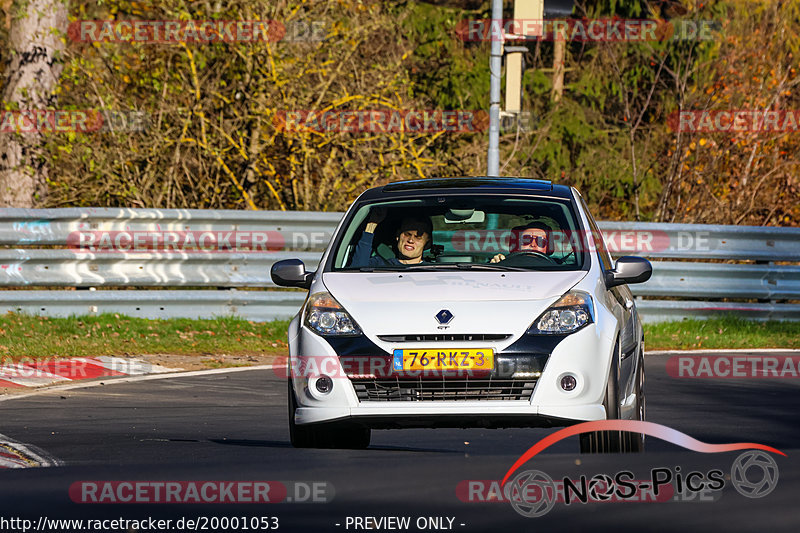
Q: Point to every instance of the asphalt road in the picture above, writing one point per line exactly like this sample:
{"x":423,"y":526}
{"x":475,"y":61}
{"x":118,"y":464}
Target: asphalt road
{"x":233,"y":426}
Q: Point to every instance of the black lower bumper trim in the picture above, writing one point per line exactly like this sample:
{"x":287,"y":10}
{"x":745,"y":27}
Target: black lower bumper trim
{"x":456,"y":421}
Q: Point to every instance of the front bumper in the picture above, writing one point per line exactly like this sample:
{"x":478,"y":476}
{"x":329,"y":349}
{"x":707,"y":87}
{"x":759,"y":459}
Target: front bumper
{"x":584,"y":354}
{"x":458,"y":414}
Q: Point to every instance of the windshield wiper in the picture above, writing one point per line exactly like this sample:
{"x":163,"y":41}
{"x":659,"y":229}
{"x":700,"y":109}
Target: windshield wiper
{"x":489,"y":266}
{"x":387,"y":268}
{"x":464,"y":266}
{"x":439,"y":266}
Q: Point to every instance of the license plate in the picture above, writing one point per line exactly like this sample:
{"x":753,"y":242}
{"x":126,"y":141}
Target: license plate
{"x":464,"y":359}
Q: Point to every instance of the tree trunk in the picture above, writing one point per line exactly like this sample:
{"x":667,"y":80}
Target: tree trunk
{"x":35,"y":64}
{"x":559,"y":47}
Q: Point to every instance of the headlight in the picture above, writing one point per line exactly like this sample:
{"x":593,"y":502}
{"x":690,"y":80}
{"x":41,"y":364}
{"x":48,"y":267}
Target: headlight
{"x":570,"y":313}
{"x":326,"y":316}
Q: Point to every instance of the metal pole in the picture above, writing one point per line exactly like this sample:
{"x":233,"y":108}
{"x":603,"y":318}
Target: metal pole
{"x":495,"y":71}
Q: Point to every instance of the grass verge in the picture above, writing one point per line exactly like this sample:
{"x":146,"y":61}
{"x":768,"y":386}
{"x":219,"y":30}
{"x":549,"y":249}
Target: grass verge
{"x":721,"y":333}
{"x":112,"y":334}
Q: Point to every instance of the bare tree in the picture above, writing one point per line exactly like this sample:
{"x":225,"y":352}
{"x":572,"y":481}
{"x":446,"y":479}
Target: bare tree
{"x":559,"y":48}
{"x":36,"y":46}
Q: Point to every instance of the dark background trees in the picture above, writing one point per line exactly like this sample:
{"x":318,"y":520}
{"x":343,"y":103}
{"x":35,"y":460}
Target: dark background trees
{"x":213,"y":140}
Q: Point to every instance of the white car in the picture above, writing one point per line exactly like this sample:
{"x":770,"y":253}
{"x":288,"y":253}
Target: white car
{"x":465,"y":302}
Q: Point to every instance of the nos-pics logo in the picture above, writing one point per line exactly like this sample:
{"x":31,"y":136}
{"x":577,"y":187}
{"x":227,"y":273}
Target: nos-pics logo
{"x":533,"y":493}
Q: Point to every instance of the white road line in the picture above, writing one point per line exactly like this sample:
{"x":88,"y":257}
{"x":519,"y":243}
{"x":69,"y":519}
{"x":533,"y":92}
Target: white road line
{"x":115,"y":380}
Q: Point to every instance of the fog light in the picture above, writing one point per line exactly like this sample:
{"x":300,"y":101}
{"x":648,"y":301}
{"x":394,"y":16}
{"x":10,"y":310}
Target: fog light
{"x":324,"y":384}
{"x":568,"y":383}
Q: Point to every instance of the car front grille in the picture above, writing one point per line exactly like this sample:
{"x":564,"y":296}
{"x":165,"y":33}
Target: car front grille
{"x":444,"y":337}
{"x":421,"y":390}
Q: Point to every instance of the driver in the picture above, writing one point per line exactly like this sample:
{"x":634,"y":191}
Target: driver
{"x":532,"y":237}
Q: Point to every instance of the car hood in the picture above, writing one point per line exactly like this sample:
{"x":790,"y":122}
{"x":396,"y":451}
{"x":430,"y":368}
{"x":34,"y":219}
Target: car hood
{"x":480,"y":302}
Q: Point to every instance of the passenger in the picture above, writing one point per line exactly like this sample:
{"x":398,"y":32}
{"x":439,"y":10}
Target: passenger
{"x":532,"y":237}
{"x":412,"y":238}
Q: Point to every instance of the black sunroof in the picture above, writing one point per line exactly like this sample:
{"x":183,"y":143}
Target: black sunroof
{"x":455,"y":183}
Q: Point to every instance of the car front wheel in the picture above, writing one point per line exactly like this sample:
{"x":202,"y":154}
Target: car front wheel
{"x":607,"y":441}
{"x":635,"y":441}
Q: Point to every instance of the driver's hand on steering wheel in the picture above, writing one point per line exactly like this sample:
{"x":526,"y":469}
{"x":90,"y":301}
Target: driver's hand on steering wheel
{"x":497,"y":258}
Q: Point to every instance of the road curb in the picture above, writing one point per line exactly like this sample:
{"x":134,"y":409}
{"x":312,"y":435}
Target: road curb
{"x":131,"y":379}
{"x":43,"y":372}
{"x":15,"y":454}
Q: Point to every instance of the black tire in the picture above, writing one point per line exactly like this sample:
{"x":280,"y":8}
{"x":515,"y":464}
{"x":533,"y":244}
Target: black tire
{"x":353,"y":437}
{"x":324,"y":435}
{"x":300,"y":436}
{"x":607,"y":441}
{"x":635,"y":441}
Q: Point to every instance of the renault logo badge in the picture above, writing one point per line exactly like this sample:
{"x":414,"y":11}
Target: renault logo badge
{"x":444,"y":316}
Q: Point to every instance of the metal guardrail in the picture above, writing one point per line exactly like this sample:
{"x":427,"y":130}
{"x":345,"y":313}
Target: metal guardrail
{"x":670,"y":310}
{"x":68,"y":268}
{"x":705,"y":241}
{"x":252,"y":305}
{"x":37,"y":250}
{"x":53,"y":226}
{"x":714,"y":280}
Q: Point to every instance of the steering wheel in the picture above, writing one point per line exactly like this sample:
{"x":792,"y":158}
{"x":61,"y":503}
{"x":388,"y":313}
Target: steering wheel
{"x":521,"y":253}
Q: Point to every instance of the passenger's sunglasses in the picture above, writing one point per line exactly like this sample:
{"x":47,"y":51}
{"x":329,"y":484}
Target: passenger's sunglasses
{"x":540,"y":241}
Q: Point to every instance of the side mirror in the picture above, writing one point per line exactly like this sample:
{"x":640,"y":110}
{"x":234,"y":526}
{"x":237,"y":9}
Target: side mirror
{"x":629,"y":269}
{"x":291,"y":273}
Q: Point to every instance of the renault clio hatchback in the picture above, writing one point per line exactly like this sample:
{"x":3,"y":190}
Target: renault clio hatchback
{"x":465,"y":302}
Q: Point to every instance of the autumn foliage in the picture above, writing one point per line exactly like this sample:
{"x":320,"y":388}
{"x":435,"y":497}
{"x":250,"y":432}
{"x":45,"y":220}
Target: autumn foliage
{"x":215,"y":133}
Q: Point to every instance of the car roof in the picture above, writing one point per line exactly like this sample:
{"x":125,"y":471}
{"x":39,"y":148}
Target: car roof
{"x":461,"y":185}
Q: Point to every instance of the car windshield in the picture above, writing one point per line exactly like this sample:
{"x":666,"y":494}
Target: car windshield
{"x":461,"y":233}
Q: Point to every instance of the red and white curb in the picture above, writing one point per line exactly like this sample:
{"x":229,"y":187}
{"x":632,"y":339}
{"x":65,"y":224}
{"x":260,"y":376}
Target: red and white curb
{"x":38,"y":373}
